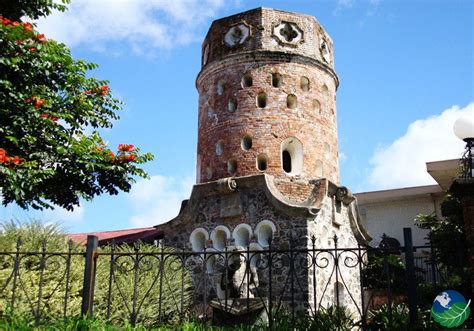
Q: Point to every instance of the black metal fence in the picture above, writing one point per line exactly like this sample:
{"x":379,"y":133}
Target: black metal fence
{"x":150,"y":286}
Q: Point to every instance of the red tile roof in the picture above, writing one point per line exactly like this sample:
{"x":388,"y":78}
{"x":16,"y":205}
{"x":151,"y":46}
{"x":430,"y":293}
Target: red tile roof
{"x":119,"y":236}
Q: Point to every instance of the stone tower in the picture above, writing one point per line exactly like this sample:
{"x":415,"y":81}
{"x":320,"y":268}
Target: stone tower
{"x":267,"y":92}
{"x":267,"y":163}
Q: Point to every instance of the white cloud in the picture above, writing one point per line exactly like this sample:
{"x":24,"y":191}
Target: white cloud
{"x":158,"y":199}
{"x":403,"y":163}
{"x":139,"y":25}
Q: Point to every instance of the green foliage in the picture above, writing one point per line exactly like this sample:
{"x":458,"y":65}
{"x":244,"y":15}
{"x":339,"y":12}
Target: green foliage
{"x":16,"y":9}
{"x":449,"y":241}
{"x":332,"y":318}
{"x":34,"y":270}
{"x":397,"y":319}
{"x":383,"y":270}
{"x":38,"y":237}
{"x":175,"y":293}
{"x":47,"y":106}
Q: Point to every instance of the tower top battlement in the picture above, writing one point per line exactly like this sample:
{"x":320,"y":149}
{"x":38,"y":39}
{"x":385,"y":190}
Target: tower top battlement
{"x":268,"y":30}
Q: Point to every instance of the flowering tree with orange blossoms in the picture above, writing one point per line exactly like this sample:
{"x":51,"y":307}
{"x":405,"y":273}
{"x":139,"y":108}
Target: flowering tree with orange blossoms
{"x":46,"y":103}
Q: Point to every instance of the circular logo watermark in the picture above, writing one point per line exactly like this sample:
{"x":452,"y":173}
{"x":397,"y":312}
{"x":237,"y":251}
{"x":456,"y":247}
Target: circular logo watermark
{"x":450,"y":309}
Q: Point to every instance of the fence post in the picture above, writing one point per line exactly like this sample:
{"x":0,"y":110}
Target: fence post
{"x":410,"y":274}
{"x":89,"y":276}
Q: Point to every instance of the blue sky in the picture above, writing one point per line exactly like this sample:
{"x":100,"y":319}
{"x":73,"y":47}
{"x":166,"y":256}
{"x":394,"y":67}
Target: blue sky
{"x":405,"y":67}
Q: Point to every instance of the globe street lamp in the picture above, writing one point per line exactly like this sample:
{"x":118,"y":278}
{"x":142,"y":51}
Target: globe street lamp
{"x":464,"y":129}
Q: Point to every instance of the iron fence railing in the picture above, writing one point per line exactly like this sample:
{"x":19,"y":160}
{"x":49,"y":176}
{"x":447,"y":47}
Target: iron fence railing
{"x":154,"y":285}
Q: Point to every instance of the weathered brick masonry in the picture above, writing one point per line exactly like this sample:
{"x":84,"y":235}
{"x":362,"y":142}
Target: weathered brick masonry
{"x":239,"y":74}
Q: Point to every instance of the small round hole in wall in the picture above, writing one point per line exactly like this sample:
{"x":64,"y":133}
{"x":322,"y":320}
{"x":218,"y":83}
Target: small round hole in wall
{"x":246,"y":142}
{"x":232,"y":166}
{"x":232,"y":106}
{"x":304,"y":84}
{"x":291,"y":101}
{"x":220,"y":87}
{"x":220,"y":147}
{"x":261,"y":100}
{"x":262,"y":162}
{"x":277,"y":80}
{"x":247,"y":80}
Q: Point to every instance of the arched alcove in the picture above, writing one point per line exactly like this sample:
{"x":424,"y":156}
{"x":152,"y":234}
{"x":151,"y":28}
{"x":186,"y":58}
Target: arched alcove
{"x":318,"y":169}
{"x":292,"y":156}
{"x":327,"y":151}
{"x":247,"y":80}
{"x":219,"y":237}
{"x":304,"y":83}
{"x":325,"y":90}
{"x":220,"y":147}
{"x":242,"y":234}
{"x":220,"y":87}
{"x":232,"y":106}
{"x":262,"y":162}
{"x":291,"y":101}
{"x":317,"y":107}
{"x":198,"y":239}
{"x":246,"y":142}
{"x":265,"y":231}
{"x":232,"y":166}
{"x":277,"y":79}
{"x":261,"y":100}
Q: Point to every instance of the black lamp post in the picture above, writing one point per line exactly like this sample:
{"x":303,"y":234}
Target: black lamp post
{"x":463,"y":186}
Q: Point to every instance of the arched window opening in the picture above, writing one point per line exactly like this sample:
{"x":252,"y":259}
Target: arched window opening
{"x":232,"y":166}
{"x":325,"y":90}
{"x":286,"y":159}
{"x":327,"y":151}
{"x":262,"y":162}
{"x":246,"y":142}
{"x":220,"y":147}
{"x":265,"y":232}
{"x":304,"y":84}
{"x":319,"y":168}
{"x":247,"y":80}
{"x":232,"y":105}
{"x":198,"y":240}
{"x":220,"y":87}
{"x":261,"y":100}
{"x":242,"y":234}
{"x":277,"y":80}
{"x":292,"y":156}
{"x":317,"y":107}
{"x":291,"y":101}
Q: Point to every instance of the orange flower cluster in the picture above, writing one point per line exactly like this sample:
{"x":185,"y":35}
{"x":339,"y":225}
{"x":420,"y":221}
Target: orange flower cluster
{"x":103,"y":90}
{"x":9,"y":160}
{"x":26,"y":25}
{"x":125,"y":147}
{"x":125,"y":153}
{"x":48,"y":116}
{"x":37,"y":102}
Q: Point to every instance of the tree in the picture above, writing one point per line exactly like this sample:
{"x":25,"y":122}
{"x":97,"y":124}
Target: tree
{"x":448,"y":240}
{"x":47,"y":104}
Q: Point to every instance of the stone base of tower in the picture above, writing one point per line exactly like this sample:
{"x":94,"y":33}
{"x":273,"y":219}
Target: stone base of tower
{"x":289,"y":227}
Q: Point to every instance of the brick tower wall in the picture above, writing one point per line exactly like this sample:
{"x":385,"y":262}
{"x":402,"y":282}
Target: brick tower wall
{"x":248,"y":114}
